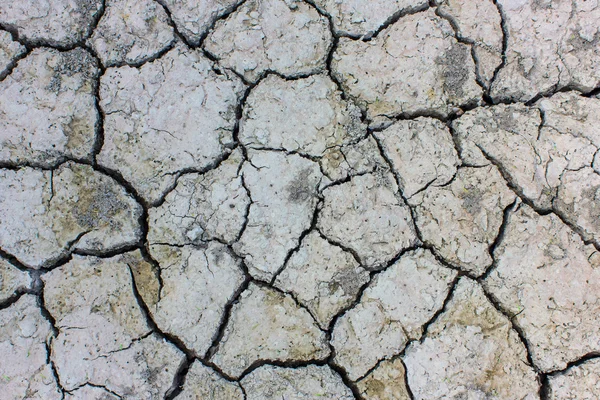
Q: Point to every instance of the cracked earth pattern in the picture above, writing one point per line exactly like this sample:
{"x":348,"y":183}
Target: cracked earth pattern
{"x":286,"y":199}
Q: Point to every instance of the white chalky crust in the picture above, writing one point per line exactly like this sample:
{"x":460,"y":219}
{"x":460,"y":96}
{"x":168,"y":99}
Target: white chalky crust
{"x":391,"y":311}
{"x":368,"y":216}
{"x":395,"y":74}
{"x":267,"y":325}
{"x":202,"y":207}
{"x":282,"y":208}
{"x":323,"y":277}
{"x":44,"y":215}
{"x":197,"y":283}
{"x":145,"y":115}
{"x":275,"y":383}
{"x":306,"y":116}
{"x":12,"y":280}
{"x":385,"y":382}
{"x":550,"y":281}
{"x":470,"y":351}
{"x":131,"y":32}
{"x":421,"y":152}
{"x":57,"y":22}
{"x":581,"y":382}
{"x":299,"y":199}
{"x":463,"y":219}
{"x":551,"y":45}
{"x":9,"y":52}
{"x":56,"y":92}
{"x":103,"y":336}
{"x":203,"y":383}
{"x":285,"y":36}
{"x":24,"y":371}
{"x":358,"y":18}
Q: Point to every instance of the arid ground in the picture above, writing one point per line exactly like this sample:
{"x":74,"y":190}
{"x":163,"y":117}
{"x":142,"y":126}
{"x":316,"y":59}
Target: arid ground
{"x":286,"y":199}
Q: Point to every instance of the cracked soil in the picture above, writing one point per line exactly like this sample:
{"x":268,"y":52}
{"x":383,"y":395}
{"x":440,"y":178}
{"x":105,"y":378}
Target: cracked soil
{"x":300,"y":199}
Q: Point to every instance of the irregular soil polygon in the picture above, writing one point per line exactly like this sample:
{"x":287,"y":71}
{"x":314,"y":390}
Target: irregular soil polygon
{"x":392,"y":311}
{"x":197,"y":283}
{"x":60,"y":23}
{"x":103,"y":337}
{"x":470,"y":351}
{"x":385,"y":382}
{"x":548,"y":279}
{"x":24,"y":335}
{"x":421,"y":152}
{"x":358,"y":18}
{"x":306,"y":115}
{"x":202,"y":207}
{"x":283,"y":189}
{"x":414,"y":66}
{"x":463,"y":219}
{"x":285,"y":36}
{"x":368,"y":216}
{"x":551,"y":45}
{"x":323,"y":277}
{"x":274,"y":383}
{"x":267,"y":325}
{"x":131,"y":32}
{"x":145,"y":114}
{"x":480,"y":23}
{"x":45,"y":215}
{"x":56,"y":91}
{"x":203,"y":383}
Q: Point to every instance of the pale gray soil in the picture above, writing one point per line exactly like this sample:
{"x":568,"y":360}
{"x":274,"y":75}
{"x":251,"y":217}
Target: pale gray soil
{"x":287,"y":199}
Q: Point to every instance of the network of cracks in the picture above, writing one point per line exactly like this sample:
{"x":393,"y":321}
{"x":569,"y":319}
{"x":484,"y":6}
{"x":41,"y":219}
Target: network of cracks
{"x":284,"y":199}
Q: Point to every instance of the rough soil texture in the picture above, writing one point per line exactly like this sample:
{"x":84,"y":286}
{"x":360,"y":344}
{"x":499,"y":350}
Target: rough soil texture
{"x":300,"y":199}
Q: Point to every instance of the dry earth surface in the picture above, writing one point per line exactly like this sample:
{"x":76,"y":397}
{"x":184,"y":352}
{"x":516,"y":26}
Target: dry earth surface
{"x":285,"y":199}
